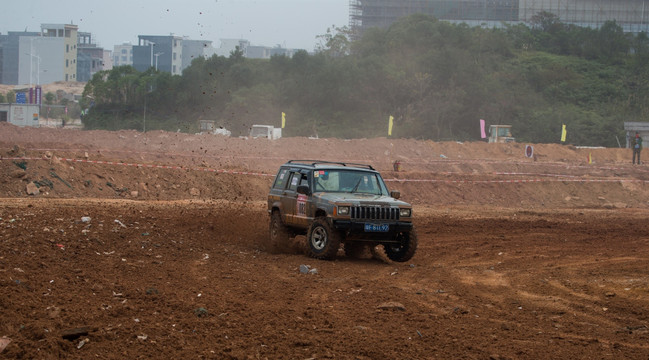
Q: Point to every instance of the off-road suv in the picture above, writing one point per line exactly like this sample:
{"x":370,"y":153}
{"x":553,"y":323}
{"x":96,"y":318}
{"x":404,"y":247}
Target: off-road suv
{"x":335,"y":203}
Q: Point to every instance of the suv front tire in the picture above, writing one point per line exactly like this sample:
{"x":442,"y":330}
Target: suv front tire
{"x":323,"y":240}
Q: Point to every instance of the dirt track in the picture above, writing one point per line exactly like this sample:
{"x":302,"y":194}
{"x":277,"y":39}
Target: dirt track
{"x":552,"y":266}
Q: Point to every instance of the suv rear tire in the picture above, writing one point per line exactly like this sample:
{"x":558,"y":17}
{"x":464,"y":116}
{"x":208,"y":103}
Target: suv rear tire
{"x":323,"y":240}
{"x":279,"y":233}
{"x":405,"y":250}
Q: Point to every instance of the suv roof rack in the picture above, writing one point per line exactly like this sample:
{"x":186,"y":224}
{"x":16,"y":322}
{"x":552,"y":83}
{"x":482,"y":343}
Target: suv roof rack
{"x":315,"y":162}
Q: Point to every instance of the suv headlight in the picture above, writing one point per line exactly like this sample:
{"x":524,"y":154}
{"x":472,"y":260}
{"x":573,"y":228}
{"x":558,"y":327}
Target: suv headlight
{"x":405,"y":212}
{"x":343,"y":210}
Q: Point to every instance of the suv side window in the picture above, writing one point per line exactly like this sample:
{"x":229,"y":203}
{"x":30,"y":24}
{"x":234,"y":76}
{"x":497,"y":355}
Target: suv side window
{"x":298,"y":178}
{"x":281,"y":179}
{"x":305,"y":180}
{"x":295,"y":180}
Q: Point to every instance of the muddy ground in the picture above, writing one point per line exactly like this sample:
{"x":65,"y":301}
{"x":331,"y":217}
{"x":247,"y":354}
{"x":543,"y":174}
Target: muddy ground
{"x":155,"y":246}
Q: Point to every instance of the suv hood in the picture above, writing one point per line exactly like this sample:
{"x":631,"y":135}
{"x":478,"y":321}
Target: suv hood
{"x":358,"y":199}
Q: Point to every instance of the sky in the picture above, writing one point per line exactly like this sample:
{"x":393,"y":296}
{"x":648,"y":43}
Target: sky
{"x":292,"y":24}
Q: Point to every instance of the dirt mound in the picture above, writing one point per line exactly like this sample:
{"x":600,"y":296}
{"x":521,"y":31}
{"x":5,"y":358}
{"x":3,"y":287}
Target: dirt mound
{"x":166,"y":166}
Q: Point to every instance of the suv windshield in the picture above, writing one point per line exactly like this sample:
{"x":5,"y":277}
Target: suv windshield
{"x":348,"y":181}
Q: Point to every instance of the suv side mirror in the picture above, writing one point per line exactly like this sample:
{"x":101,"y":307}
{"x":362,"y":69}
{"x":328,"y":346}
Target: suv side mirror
{"x":395,"y":194}
{"x":303,"y":189}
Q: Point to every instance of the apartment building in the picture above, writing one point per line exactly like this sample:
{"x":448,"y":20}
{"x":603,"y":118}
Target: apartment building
{"x":631,"y":15}
{"x":65,"y":36}
{"x":39,"y":57}
{"x":13,"y":52}
{"x":227,"y":46}
{"x":123,"y":54}
{"x":193,"y":49}
{"x":158,"y":51}
{"x":168,"y":53}
{"x":90,"y":57}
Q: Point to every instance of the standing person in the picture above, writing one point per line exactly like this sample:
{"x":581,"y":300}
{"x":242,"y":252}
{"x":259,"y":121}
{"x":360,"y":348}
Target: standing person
{"x":636,"y":144}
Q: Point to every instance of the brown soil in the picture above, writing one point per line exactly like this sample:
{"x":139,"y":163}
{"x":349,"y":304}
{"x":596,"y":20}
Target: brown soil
{"x":518,"y":258}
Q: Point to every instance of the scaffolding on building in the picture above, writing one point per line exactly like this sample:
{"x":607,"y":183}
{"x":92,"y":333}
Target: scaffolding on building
{"x":631,"y":15}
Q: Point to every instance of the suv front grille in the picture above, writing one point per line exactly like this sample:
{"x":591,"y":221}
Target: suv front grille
{"x":374,"y":213}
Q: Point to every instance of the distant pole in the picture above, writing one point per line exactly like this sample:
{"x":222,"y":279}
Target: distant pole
{"x":38,"y":70}
{"x":144,"y":118}
{"x":156,"y":60}
{"x":31,"y":61}
{"x":151,"y":43}
{"x":31,"y":69}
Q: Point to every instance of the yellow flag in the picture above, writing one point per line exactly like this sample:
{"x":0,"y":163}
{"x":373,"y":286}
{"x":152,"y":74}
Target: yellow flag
{"x":563,"y":133}
{"x":283,"y":120}
{"x":390,"y":123}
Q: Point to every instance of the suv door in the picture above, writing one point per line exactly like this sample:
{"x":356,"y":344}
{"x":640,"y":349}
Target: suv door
{"x":295,"y":205}
{"x":303,"y":202}
{"x":289,"y":197}
{"x":277,"y":191}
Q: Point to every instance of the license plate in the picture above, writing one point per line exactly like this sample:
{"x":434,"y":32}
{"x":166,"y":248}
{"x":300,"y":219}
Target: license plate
{"x":377,"y":227}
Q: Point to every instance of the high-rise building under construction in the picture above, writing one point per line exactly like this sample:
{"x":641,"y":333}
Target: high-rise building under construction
{"x":631,"y":15}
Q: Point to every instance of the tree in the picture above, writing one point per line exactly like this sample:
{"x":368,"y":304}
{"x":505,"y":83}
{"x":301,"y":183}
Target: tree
{"x":335,"y":42}
{"x":546,"y":22}
{"x":11,"y":96}
{"x":613,"y":43}
{"x":236,"y":55}
{"x":49,"y":98}
{"x":436,"y":78}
